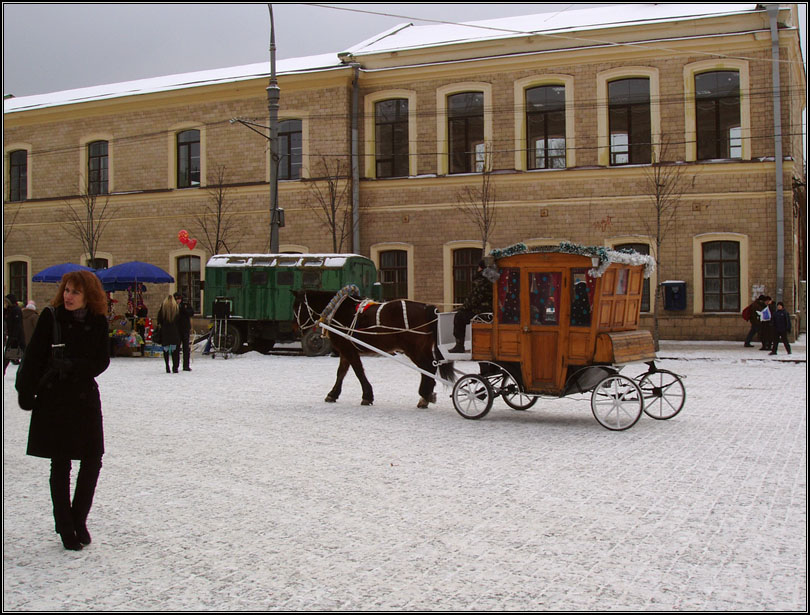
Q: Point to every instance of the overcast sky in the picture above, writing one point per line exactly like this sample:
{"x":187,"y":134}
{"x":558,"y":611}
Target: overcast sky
{"x":53,"y":47}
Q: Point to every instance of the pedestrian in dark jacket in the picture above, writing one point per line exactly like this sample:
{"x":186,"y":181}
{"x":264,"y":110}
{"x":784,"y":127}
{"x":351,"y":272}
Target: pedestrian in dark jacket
{"x":59,"y":385}
{"x":479,"y":301}
{"x":781,"y":327}
{"x":169,"y":333}
{"x":754,"y":309}
{"x":184,"y":314}
{"x":12,"y":316}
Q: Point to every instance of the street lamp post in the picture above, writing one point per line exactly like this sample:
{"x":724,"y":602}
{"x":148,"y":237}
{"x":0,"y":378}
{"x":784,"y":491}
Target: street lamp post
{"x":273,"y":95}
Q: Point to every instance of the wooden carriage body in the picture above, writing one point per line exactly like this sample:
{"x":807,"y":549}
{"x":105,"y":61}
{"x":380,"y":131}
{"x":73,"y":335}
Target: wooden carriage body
{"x":555,"y":313}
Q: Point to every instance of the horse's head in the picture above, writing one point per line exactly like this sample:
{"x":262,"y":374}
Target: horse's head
{"x":308,"y":305}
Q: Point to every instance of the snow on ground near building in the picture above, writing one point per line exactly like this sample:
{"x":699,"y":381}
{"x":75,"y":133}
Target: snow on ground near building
{"x":235,"y":487}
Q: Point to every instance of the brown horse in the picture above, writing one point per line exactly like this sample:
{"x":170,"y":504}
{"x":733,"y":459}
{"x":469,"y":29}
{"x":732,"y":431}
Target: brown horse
{"x":402,"y":326}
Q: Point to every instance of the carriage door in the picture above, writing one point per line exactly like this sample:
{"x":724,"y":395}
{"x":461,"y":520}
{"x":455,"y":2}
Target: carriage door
{"x":542,"y":328}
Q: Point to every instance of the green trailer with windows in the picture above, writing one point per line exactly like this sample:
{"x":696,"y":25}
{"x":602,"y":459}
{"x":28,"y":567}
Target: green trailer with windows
{"x":257,"y":290}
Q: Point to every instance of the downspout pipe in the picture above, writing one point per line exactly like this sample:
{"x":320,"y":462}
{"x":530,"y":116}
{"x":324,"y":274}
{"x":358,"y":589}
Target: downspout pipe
{"x":773,"y":11}
{"x":355,"y":145}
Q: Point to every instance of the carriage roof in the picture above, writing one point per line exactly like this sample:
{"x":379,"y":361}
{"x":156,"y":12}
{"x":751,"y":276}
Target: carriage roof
{"x":324,"y":261}
{"x":600,"y":258}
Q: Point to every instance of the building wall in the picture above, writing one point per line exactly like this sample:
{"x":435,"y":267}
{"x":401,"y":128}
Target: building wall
{"x":588,"y":203}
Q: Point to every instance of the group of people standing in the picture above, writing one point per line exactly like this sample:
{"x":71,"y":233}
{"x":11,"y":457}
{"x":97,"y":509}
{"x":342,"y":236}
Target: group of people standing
{"x":771,"y":322}
{"x":18,"y":327}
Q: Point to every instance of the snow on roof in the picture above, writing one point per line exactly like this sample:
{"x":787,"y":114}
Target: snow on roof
{"x":401,"y":37}
{"x":328,"y":261}
{"x":167,"y":83}
{"x":409,"y":36}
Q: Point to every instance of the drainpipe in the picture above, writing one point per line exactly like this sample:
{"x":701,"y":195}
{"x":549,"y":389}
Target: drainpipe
{"x":355,"y":159}
{"x":773,"y":11}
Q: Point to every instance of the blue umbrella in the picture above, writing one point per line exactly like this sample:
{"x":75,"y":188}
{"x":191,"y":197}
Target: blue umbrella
{"x":54,"y":273}
{"x":124,"y":275}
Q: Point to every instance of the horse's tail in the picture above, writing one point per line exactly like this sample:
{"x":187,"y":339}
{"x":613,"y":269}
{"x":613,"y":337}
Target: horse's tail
{"x":446,"y":370}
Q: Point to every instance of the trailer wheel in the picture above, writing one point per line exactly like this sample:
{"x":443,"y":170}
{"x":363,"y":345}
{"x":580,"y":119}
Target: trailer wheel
{"x":313,"y":344}
{"x":616,"y":402}
{"x":472,"y":396}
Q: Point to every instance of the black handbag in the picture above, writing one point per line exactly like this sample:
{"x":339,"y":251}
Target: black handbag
{"x":156,"y":336}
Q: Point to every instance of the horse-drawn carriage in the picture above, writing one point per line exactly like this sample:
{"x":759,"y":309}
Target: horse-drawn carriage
{"x":563,"y":322}
{"x":566,"y":322}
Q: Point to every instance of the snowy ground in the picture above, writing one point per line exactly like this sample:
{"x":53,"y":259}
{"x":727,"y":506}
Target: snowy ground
{"x":235,"y":487}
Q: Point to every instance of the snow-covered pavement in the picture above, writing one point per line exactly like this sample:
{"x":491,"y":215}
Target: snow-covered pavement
{"x":235,"y":487}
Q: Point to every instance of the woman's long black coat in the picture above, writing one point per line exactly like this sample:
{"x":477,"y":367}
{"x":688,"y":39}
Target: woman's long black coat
{"x":66,"y":420}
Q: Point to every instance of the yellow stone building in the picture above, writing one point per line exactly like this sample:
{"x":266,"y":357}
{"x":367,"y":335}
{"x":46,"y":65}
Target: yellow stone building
{"x":574,"y":122}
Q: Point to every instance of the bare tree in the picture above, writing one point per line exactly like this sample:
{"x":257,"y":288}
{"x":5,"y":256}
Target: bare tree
{"x":332,"y":203}
{"x":88,"y":220}
{"x":478,"y":204}
{"x":664,"y":183}
{"x":215,"y":220}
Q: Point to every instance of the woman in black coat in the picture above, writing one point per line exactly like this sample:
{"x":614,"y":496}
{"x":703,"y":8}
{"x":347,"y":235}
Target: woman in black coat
{"x":59,"y":385}
{"x":168,"y":317}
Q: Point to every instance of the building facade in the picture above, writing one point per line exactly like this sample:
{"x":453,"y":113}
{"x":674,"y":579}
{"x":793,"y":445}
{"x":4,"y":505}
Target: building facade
{"x":657,"y":134}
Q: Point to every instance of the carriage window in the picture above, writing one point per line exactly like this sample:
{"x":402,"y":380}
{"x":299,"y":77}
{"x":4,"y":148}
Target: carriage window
{"x":544,"y":297}
{"x":582,"y":288}
{"x":233,"y":279}
{"x":509,"y":297}
{"x":258,"y":278}
{"x":284,"y":278}
{"x":641,"y":248}
{"x":312,"y":279}
{"x":621,"y":282}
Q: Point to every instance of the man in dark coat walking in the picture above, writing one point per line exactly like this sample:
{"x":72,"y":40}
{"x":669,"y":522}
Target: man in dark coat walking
{"x":185,"y":312}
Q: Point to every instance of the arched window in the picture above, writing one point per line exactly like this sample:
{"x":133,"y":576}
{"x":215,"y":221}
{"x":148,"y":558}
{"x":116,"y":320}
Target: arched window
{"x":721,"y":276}
{"x":290,"y":142}
{"x":18,"y":280}
{"x":391,"y":137}
{"x":717,"y":115}
{"x":465,"y":113}
{"x":394,"y":274}
{"x":188,"y":159}
{"x":188,"y":280}
{"x":465,"y":264}
{"x":629,"y":121}
{"x":18,"y":175}
{"x":545,"y":127}
{"x":97,"y":167}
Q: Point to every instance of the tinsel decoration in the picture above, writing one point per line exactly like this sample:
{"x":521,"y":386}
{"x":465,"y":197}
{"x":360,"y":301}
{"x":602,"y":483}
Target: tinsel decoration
{"x":334,"y":303}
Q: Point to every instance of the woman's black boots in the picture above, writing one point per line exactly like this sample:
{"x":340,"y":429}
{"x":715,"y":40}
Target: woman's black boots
{"x":60,"y":496}
{"x":83,"y":497}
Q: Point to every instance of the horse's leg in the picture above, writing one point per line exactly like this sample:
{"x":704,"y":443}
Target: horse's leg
{"x":424,"y":361}
{"x":343,"y":367}
{"x":365,"y":385}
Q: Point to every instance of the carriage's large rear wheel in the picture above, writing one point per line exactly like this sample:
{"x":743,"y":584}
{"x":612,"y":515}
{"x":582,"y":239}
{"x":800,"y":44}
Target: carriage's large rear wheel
{"x":472,"y":396}
{"x":616,"y":402}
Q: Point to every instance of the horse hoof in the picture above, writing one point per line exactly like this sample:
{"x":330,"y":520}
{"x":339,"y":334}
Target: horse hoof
{"x":423,"y":403}
{"x":366,"y":402}
{"x":330,"y":399}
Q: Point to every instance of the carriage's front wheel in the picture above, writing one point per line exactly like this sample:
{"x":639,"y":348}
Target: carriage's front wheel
{"x":616,"y":402}
{"x":472,"y":396}
{"x":664,"y":394}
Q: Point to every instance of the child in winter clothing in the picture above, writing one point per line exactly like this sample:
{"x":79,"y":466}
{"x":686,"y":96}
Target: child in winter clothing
{"x":781,"y":327}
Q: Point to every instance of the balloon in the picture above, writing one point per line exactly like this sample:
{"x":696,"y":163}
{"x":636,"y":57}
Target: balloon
{"x":191,"y":243}
{"x":183,"y":236}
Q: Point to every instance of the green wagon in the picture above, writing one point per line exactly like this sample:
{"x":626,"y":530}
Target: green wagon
{"x":258,"y":291}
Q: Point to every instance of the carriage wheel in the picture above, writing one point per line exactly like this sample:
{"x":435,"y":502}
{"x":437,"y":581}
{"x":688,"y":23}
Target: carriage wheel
{"x":513,"y":396}
{"x":472,"y":396}
{"x":616,"y":402}
{"x":664,"y":394}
